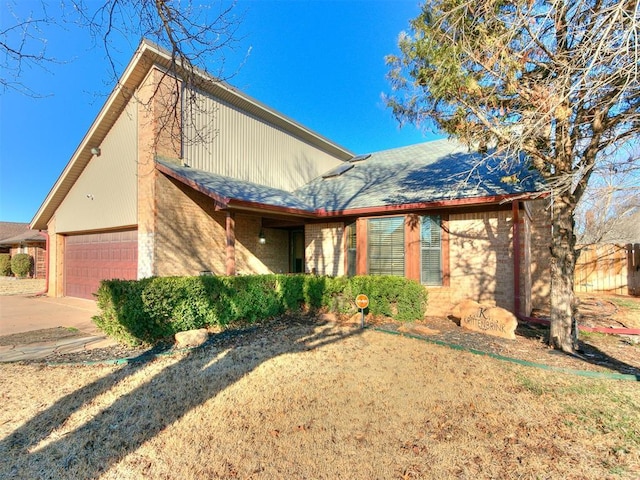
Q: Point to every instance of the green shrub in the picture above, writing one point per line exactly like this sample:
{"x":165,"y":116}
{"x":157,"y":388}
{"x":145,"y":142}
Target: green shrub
{"x":21,"y":264}
{"x":147,"y":310}
{"x":122,"y":315}
{"x":291,"y":291}
{"x":390,"y":296}
{"x":5,"y":264}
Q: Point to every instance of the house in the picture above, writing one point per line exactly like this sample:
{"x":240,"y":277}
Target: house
{"x":16,"y":237}
{"x":178,"y":180}
{"x":10,"y":229}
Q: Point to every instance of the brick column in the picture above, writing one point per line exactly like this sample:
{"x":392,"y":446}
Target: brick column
{"x":55,"y":253}
{"x":159,"y":133}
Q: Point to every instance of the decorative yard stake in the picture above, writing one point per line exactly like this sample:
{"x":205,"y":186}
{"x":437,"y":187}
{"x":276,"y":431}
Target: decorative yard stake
{"x":362,"y":301}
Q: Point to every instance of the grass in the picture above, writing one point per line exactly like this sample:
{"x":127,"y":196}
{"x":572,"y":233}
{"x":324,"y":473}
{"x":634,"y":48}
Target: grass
{"x":316,"y":401}
{"x":632,"y":304}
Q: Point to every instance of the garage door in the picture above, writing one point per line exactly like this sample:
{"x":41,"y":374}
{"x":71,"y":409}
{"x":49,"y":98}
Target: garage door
{"x":90,"y":258}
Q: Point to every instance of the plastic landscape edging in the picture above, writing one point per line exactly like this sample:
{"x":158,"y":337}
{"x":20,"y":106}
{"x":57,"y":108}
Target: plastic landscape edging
{"x":122,"y":361}
{"x":582,"y":373}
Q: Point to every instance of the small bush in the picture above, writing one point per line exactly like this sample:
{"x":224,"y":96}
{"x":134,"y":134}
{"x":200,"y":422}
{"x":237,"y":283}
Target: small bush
{"x":147,"y":310}
{"x":21,"y":264}
{"x":5,"y":264}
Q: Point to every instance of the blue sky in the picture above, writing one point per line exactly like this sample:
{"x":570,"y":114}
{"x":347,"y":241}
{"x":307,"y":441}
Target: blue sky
{"x":319,"y":62}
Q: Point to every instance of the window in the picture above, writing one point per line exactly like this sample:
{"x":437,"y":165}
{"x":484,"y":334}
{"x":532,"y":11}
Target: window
{"x":386,"y":246}
{"x":351,"y":249}
{"x":430,"y":251}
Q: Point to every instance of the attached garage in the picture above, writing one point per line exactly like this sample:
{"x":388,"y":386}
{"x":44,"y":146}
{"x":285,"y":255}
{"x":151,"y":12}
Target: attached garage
{"x":90,"y":258}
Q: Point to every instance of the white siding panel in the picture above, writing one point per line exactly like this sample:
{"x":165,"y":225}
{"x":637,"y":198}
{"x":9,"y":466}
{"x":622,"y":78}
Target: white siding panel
{"x":224,"y":140}
{"x":104,"y":196}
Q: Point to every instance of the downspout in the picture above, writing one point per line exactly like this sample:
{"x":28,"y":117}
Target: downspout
{"x":515,"y":210}
{"x":46,"y":264}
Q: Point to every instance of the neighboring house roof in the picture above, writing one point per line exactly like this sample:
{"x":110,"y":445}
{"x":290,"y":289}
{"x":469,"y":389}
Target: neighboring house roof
{"x":431,"y":173}
{"x":625,"y":229}
{"x":147,"y":55}
{"x":11,"y":229}
{"x":26,"y":236}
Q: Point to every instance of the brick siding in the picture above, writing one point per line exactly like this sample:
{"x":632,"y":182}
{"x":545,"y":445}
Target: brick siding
{"x":190,"y":236}
{"x":540,"y":254}
{"x":324,"y":248}
{"x":481,"y":258}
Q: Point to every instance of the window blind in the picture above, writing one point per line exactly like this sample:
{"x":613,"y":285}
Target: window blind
{"x":386,"y":246}
{"x":431,"y":250}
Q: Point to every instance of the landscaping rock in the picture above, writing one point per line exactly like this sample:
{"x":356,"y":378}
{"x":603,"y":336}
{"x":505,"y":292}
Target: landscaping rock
{"x":191,"y":338}
{"x":465,"y":308}
{"x":494,"y":321}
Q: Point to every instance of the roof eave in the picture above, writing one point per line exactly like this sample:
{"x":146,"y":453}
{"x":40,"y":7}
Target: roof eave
{"x":459,"y":202}
{"x":220,"y":201}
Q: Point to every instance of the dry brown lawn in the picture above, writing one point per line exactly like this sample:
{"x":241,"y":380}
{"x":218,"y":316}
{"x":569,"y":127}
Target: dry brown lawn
{"x":21,"y":286}
{"x":316,"y":401}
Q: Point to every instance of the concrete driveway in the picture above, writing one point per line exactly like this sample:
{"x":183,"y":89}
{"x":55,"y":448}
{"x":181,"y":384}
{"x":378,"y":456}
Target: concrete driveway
{"x":23,"y":313}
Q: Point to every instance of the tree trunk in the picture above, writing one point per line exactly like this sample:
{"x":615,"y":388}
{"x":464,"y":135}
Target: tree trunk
{"x":563,"y":334}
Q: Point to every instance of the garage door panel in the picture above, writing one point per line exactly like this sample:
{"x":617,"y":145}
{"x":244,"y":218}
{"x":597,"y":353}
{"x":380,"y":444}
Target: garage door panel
{"x":93,"y":257}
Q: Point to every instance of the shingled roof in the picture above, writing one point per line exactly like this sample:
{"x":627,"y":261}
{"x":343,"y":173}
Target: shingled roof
{"x":26,"y":236}
{"x":428,"y":173}
{"x":226,"y":190}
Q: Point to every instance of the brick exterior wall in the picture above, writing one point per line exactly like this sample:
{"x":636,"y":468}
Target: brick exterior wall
{"x":439,"y":302}
{"x":540,"y":254}
{"x":190,"y":236}
{"x":481,"y":258}
{"x":158,"y":134}
{"x":525,"y":263}
{"x":325,"y":248}
{"x":253,"y":257}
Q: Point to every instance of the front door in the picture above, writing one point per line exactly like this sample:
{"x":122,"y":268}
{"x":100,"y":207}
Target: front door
{"x":296,"y":242}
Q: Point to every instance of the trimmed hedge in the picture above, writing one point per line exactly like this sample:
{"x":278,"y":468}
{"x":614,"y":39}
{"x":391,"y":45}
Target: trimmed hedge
{"x":145,"y":311}
{"x":5,"y":264}
{"x":21,"y":264}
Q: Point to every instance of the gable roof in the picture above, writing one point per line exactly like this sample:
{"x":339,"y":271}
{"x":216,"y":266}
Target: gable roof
{"x":427,"y":175}
{"x":146,"y":56}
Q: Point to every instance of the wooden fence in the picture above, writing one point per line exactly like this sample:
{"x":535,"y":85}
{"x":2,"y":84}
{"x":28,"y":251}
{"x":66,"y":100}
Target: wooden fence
{"x":609,"y":268}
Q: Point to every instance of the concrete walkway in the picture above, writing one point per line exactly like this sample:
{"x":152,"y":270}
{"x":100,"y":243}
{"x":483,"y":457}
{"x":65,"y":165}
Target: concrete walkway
{"x":24,"y":313}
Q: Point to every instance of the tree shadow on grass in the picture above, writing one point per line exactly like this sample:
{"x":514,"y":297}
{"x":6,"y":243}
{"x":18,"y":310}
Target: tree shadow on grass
{"x":588,"y":351}
{"x":139,"y":415}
